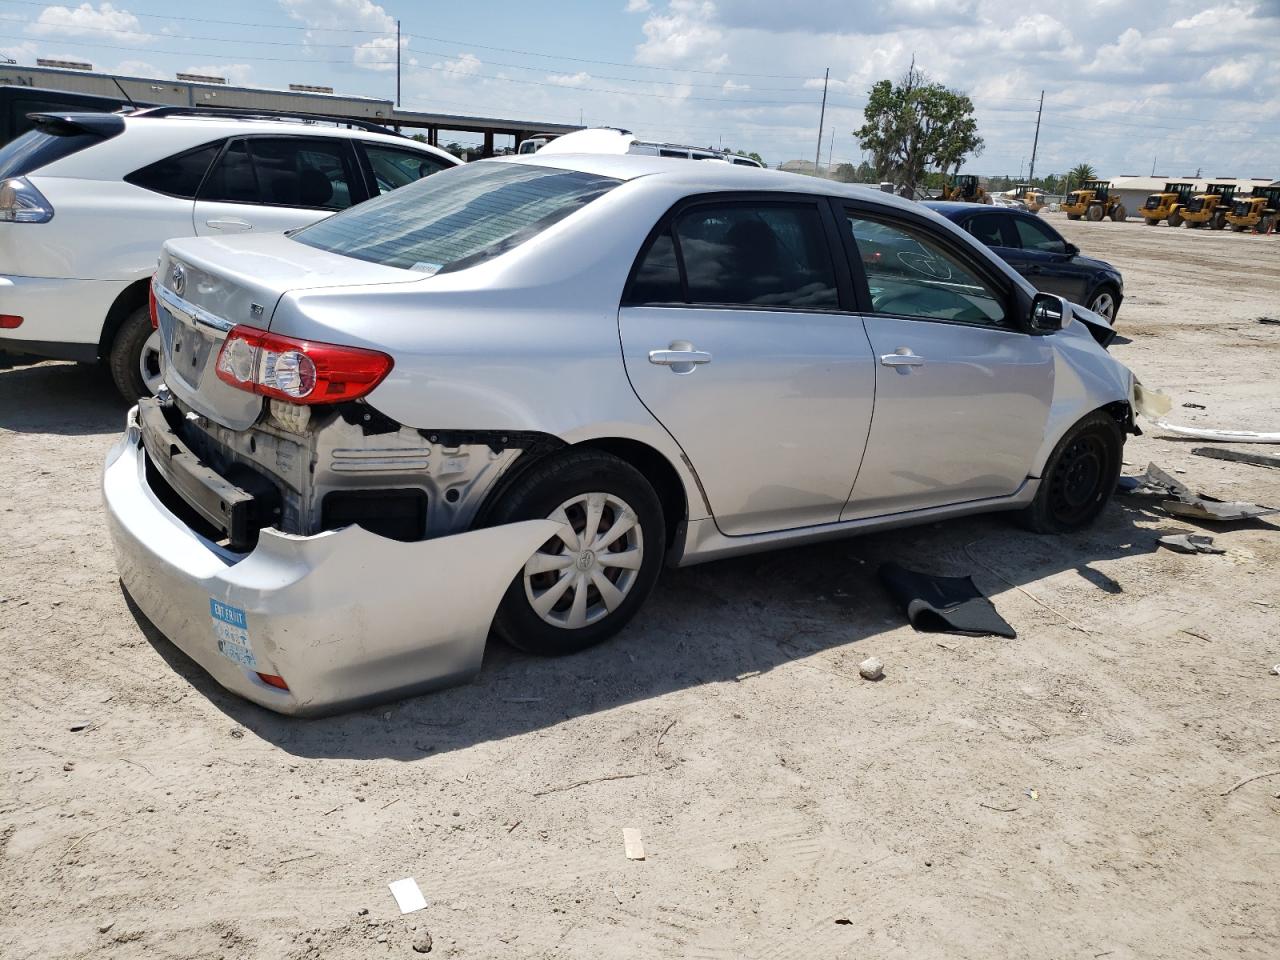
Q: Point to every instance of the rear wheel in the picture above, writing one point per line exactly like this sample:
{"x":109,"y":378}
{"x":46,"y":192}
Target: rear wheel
{"x":1073,"y":216}
{"x":1094,"y":213}
{"x":585,"y":583}
{"x":1078,"y":478}
{"x":1218,"y":221}
{"x":134,"y":359}
{"x":1119,"y":214}
{"x":1175,"y":219}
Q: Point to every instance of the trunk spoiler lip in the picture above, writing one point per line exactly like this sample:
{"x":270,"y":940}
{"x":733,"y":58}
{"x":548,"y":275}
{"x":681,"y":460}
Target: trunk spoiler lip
{"x":103,"y":125}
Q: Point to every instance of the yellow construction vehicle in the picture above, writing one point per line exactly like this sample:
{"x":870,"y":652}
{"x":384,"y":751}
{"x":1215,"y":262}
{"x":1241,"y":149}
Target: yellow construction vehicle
{"x":1093,"y":201}
{"x":1258,"y":211}
{"x":1167,"y":205}
{"x":1209,"y":207}
{"x":966,"y":189}
{"x":1032,"y":197}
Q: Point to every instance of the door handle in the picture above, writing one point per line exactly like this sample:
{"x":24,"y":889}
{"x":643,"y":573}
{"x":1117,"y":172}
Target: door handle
{"x":680,"y":357}
{"x":903,"y":359}
{"x":230,"y":224}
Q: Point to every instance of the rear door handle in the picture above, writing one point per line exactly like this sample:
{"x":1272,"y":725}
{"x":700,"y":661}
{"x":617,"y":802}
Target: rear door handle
{"x":903,"y":359}
{"x":230,"y":224}
{"x":680,"y":357}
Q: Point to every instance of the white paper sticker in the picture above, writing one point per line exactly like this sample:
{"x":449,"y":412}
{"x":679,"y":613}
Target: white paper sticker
{"x":231,"y":630}
{"x":408,"y":897}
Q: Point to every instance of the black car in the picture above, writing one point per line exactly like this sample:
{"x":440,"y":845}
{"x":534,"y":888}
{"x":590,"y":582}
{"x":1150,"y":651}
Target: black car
{"x":1039,"y":253}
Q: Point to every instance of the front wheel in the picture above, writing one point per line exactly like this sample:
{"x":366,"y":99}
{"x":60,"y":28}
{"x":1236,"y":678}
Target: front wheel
{"x":1175,"y":219}
{"x":1105,"y":304}
{"x":1078,"y":478}
{"x":134,"y":358}
{"x":1094,"y":212}
{"x":1119,"y":214}
{"x":586,"y":583}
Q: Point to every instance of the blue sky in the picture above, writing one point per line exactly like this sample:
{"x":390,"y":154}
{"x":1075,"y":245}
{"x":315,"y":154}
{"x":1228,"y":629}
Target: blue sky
{"x":1186,"y":84}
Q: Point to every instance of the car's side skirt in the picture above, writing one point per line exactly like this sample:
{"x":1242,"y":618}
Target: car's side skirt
{"x":699,"y":541}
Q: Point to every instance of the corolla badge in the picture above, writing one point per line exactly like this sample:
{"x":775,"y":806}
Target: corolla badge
{"x":178,"y":279}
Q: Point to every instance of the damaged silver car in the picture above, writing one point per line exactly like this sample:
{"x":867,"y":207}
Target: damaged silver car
{"x":499,"y":399}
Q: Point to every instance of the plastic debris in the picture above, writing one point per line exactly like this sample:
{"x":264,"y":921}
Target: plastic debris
{"x":1189,"y":543}
{"x":1218,"y":453}
{"x":632,"y":843}
{"x":1195,"y":406}
{"x":1032,"y":792}
{"x":408,"y":897}
{"x":1187,"y":504}
{"x":1223,"y":436}
{"x":948,"y":604}
{"x":1276,"y":669}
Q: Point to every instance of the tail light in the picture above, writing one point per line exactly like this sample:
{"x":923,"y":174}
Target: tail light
{"x":300,"y":371}
{"x":20,"y":202}
{"x":151,"y":305}
{"x":272,"y":680}
{"x":9,"y":322}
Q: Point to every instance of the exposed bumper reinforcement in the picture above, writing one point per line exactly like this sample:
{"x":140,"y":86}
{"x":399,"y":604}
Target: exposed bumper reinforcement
{"x":345,"y":617}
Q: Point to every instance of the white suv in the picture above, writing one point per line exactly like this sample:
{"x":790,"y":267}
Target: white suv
{"x":87,"y":200}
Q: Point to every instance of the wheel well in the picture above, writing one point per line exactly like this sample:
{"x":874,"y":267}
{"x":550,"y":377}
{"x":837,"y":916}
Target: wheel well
{"x":656,"y":468}
{"x":1122,"y":413}
{"x":130,"y":299}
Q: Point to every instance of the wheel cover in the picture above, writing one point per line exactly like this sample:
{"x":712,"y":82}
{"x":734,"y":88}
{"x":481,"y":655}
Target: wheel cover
{"x":1104,"y":305}
{"x":1076,"y":484}
{"x":588,"y":568}
{"x":149,"y":363}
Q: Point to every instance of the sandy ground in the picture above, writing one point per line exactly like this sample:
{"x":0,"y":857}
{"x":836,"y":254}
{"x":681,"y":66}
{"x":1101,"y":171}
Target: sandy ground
{"x":1060,"y":795}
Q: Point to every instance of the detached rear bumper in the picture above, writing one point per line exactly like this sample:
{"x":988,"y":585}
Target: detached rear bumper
{"x":345,"y":617}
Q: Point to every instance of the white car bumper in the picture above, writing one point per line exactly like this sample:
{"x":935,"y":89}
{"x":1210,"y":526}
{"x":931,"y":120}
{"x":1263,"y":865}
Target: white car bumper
{"x":345,"y":617}
{"x":61,"y":319}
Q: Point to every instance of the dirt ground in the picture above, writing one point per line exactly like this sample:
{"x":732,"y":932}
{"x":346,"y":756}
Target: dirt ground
{"x":1061,"y":795}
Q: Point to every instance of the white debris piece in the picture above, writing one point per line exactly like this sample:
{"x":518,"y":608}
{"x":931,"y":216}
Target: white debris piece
{"x":408,"y":897}
{"x":632,"y":843}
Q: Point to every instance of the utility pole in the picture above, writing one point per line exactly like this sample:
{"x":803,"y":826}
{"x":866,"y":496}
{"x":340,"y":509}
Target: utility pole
{"x":1031,"y":174}
{"x":397,"y":63}
{"x":830,"y":150}
{"x":817,"y":156}
{"x":1153,"y":164}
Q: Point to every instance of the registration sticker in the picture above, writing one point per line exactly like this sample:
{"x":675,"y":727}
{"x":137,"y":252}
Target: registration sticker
{"x":231,"y":630}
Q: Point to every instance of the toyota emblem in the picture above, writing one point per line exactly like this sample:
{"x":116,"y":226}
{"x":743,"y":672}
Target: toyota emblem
{"x":178,"y":279}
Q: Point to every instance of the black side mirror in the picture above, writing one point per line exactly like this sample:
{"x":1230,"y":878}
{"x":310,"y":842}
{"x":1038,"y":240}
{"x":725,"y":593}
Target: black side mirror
{"x":1071,"y":250}
{"x":1049,"y":313}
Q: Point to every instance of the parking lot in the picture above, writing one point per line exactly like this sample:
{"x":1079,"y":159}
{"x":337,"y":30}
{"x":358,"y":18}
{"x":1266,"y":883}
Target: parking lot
{"x":1064,"y":794}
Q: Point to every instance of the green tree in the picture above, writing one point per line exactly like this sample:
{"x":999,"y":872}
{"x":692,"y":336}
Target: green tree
{"x":916,"y":124}
{"x":1079,"y":174}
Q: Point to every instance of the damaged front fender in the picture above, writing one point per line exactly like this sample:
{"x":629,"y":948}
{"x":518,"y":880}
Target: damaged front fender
{"x":340,"y":619}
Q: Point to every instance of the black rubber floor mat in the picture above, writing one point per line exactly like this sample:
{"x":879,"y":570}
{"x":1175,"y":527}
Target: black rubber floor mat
{"x":943,"y":604}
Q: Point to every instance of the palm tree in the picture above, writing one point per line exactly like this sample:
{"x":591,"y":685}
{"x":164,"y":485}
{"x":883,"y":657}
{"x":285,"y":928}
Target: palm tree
{"x":1079,"y":174}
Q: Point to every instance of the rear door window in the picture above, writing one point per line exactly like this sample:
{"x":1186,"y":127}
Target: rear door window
{"x":179,"y":175}
{"x":756,"y":255}
{"x":990,"y":229}
{"x":312,"y":172}
{"x":394,"y":168}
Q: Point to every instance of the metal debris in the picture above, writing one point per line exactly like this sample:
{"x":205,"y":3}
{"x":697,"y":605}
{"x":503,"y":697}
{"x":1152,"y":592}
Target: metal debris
{"x":1187,"y":504}
{"x":1190,"y":543}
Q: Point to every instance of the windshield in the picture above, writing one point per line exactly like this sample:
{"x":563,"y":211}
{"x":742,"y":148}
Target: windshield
{"x":458,"y":217}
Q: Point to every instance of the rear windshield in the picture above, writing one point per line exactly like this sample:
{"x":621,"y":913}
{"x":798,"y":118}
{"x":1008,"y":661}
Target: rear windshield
{"x":35,"y":149}
{"x":458,"y":217}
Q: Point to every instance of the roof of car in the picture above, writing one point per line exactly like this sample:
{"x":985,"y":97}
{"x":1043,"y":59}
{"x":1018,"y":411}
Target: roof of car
{"x":954,"y":208}
{"x":703,"y":174}
{"x":318,"y":128}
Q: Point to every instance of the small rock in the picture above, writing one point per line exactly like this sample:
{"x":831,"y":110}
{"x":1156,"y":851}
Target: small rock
{"x":69,"y":766}
{"x":237,"y":733}
{"x":422,"y":942}
{"x":106,"y":927}
{"x":871,"y":668}
{"x":1276,"y":669}
{"x":362,"y":912}
{"x":382,"y":938}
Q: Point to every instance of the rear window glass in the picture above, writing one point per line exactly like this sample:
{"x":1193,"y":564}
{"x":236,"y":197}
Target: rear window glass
{"x":457,"y":217}
{"x":179,"y":175}
{"x":36,"y":149}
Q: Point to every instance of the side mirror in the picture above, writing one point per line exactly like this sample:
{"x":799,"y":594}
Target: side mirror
{"x":1049,"y":313}
{"x":1071,"y":250}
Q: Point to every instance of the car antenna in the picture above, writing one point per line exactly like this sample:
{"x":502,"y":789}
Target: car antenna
{"x":120,"y":87}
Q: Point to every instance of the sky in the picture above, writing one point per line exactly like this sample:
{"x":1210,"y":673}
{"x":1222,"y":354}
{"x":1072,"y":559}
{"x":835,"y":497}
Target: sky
{"x":1129,"y":85}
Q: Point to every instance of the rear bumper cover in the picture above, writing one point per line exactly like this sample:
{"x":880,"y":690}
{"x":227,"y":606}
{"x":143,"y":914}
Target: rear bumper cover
{"x":61,"y":319}
{"x":345,"y":617}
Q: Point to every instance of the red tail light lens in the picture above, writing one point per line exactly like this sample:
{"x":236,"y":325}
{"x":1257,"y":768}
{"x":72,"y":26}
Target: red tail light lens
{"x":273,"y":680}
{"x":300,"y":371}
{"x":9,"y":322}
{"x":151,"y":304}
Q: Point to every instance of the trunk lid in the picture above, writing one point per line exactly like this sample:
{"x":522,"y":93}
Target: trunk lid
{"x":206,"y":286}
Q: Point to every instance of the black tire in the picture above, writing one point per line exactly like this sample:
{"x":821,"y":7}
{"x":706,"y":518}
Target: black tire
{"x":1218,"y":221}
{"x":1119,"y":214}
{"x":125,"y":356}
{"x":1078,"y":478}
{"x":537,"y":495}
{"x":1094,"y":213}
{"x":1175,"y":219}
{"x":1073,"y":216}
{"x":1115,"y":302}
{"x":1237,"y":228}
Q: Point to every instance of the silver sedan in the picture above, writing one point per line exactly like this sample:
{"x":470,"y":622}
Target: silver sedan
{"x":499,"y":399}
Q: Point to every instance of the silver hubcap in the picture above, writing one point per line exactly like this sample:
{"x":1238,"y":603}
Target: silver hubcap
{"x":149,"y":363}
{"x":1104,"y":305}
{"x":586,"y":570}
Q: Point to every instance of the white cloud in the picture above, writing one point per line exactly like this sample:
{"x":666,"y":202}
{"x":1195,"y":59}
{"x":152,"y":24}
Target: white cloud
{"x":637,"y":6}
{"x":466,"y":65}
{"x":103,"y":23}
{"x":137,"y":68}
{"x":684,"y":35}
{"x":22,"y":52}
{"x":324,"y":16}
{"x":569,"y":79}
{"x":236,"y":74}
{"x":731,"y":86}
